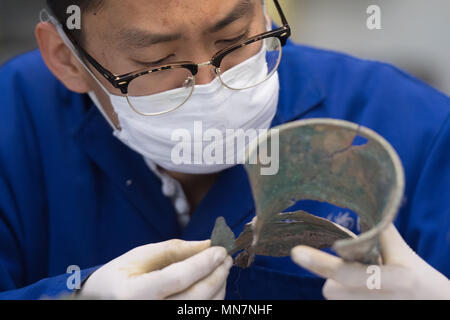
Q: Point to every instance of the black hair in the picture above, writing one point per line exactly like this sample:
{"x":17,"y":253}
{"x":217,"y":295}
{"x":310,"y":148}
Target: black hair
{"x":59,"y":10}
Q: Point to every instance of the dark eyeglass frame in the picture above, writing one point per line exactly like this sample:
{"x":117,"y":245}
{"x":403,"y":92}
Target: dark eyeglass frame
{"x":122,"y":82}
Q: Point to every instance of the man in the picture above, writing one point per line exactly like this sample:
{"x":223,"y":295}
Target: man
{"x":87,"y":171}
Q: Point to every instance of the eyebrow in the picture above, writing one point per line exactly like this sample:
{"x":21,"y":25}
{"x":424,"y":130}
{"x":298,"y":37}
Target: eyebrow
{"x":141,"y":38}
{"x":138,"y":39}
{"x":242,"y":9}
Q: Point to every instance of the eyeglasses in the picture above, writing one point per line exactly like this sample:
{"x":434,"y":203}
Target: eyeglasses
{"x":177,"y":80}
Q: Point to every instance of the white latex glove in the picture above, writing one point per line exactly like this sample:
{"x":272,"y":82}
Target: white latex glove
{"x":404,"y":274}
{"x":173,"y":269}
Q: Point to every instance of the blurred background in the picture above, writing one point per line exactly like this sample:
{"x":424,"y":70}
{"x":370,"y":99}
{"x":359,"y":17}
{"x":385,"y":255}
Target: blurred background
{"x":414,"y":36}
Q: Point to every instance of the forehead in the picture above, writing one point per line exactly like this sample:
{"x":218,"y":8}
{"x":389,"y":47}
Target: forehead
{"x":164,"y":15}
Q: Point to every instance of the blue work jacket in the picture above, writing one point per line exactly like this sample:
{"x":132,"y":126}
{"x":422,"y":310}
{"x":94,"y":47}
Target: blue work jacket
{"x":73,"y":194}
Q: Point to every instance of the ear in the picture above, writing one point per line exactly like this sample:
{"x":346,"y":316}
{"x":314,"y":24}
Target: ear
{"x":60,"y":60}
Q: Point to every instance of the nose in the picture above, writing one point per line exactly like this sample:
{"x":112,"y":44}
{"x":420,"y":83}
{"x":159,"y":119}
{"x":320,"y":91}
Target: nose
{"x":205,"y":74}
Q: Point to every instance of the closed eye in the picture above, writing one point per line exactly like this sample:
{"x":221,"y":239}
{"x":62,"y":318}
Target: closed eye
{"x":234,"y":40}
{"x":156,"y":63}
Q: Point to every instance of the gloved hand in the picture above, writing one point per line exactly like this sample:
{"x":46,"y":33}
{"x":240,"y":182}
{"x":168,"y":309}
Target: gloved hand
{"x":173,"y":269}
{"x":404,"y":274}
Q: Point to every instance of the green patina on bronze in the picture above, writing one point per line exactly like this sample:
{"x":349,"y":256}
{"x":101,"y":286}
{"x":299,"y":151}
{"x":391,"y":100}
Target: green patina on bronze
{"x":285,"y":231}
{"x":319,"y":161}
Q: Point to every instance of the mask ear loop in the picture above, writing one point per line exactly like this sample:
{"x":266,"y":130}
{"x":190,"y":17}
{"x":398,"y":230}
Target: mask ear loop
{"x":45,"y":16}
{"x":266,"y":14}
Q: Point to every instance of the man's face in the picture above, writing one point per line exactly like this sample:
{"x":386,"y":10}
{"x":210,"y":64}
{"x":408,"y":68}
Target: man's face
{"x":128,"y":35}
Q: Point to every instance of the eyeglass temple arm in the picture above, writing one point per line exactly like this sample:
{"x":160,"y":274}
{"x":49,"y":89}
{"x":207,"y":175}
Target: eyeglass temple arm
{"x":107,"y":74}
{"x":280,"y":11}
{"x":285,"y":36}
{"x":51,"y":18}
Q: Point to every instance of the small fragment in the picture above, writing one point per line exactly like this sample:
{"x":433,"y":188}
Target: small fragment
{"x":222,"y":235}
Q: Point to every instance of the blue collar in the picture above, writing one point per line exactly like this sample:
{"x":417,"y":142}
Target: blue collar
{"x":299,"y":92}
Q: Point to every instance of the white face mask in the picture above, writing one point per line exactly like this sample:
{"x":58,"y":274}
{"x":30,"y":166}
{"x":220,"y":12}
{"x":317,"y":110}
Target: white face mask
{"x":216,"y":106}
